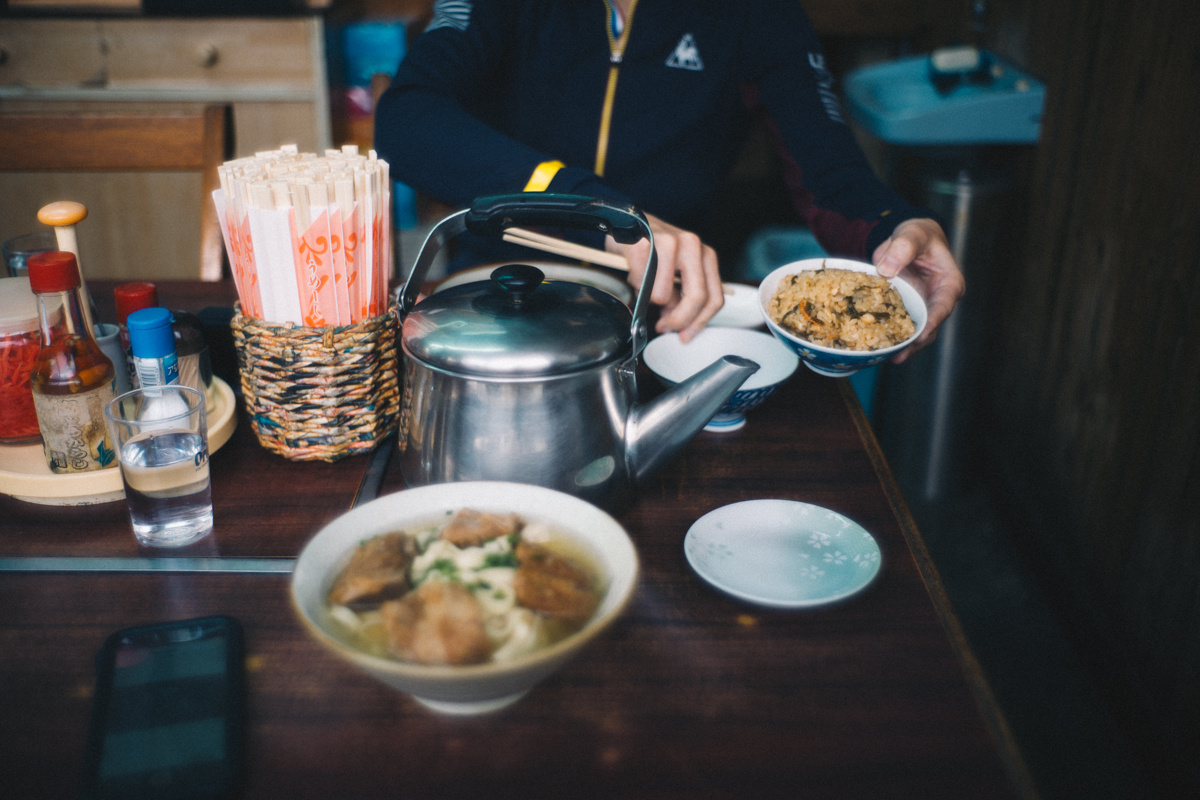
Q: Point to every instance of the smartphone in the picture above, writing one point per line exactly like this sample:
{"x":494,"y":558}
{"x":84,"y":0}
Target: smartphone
{"x":167,"y":713}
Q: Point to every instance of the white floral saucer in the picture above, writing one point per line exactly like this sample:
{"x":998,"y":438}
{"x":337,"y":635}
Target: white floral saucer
{"x":782,"y":553}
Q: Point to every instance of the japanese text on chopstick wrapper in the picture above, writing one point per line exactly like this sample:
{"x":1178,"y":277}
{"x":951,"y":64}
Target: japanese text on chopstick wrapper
{"x":308,"y":236}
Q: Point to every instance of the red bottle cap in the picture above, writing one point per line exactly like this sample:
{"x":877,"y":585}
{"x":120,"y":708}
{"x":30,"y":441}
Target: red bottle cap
{"x":133,"y":297}
{"x":53,"y":271}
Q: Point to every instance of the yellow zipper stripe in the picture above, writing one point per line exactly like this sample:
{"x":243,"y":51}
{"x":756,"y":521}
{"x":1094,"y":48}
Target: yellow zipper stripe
{"x":616,"y":50}
{"x":605,"y":121}
{"x":542,"y":175}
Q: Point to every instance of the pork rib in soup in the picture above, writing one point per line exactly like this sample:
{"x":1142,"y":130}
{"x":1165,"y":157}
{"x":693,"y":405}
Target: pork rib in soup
{"x":553,"y":584}
{"x":471,"y":528}
{"x":377,"y":571}
{"x":480,"y":587}
{"x":438,"y":623}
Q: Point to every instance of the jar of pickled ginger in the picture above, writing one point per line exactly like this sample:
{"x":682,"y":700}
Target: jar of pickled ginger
{"x":20,"y":339}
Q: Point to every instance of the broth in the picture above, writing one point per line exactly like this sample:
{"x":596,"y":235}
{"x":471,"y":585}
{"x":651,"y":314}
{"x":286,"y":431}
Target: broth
{"x":489,"y":571}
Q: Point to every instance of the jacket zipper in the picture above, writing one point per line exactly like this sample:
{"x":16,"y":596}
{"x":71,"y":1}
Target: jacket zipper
{"x":616,"y":51}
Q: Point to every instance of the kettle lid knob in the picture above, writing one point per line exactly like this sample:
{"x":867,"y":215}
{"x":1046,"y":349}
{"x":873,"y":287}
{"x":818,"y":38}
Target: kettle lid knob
{"x":518,"y":281}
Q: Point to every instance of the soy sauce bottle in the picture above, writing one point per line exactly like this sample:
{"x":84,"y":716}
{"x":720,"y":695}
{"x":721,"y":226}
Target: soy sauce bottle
{"x":72,"y":379}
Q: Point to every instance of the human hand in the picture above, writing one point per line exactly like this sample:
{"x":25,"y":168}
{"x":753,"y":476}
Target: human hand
{"x":682,"y":254}
{"x":918,"y":248}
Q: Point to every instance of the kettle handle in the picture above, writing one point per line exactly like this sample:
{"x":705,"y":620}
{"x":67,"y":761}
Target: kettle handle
{"x":491,"y":216}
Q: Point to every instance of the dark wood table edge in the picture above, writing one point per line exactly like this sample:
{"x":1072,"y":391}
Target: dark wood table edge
{"x":994,"y":717}
{"x":367,"y":490}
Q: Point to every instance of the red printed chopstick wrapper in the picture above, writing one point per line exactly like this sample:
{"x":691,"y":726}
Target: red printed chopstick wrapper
{"x":308,"y":236}
{"x":240,"y":247}
{"x":314,"y":271}
{"x":341,"y":285}
{"x":352,"y":251}
{"x":244,"y":266}
{"x":378,"y":284}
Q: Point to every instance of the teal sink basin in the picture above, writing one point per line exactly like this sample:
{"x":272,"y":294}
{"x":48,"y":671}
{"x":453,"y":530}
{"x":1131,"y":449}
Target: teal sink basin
{"x":898,"y":102}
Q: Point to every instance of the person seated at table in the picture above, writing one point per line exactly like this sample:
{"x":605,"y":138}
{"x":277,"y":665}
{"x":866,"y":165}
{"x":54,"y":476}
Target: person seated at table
{"x":648,"y":103}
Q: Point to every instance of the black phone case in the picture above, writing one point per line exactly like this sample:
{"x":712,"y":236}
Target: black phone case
{"x":234,"y":718}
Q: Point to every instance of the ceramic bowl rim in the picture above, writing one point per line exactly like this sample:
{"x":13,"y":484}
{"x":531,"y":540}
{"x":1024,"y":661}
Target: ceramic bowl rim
{"x":739,"y":317}
{"x":767,"y":288}
{"x":751,"y":384}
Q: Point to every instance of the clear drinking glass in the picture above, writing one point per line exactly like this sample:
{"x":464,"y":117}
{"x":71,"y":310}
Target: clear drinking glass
{"x":161,"y":437}
{"x":18,"y":249}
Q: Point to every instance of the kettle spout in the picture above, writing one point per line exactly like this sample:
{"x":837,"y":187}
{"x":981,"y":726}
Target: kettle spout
{"x":657,"y":430}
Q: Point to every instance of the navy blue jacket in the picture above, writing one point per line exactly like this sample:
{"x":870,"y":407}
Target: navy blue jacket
{"x":493,"y":88}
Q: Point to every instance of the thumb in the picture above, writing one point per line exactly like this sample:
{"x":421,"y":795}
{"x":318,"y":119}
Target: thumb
{"x":894,"y":255}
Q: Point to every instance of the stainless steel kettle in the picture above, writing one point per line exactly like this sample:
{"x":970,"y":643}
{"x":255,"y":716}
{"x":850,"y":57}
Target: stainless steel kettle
{"x":521,"y":379}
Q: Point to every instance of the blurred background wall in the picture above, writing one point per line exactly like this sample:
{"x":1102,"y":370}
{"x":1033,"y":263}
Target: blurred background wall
{"x":1094,"y":413}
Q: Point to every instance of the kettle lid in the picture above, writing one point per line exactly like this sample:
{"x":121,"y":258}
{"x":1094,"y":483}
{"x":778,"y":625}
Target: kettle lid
{"x":517,"y":325}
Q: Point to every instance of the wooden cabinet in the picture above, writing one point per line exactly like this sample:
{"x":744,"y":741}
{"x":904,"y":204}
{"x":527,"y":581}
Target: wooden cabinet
{"x":49,"y":53}
{"x":271,"y":71}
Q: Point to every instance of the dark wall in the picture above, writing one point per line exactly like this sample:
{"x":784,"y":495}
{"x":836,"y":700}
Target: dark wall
{"x":1095,"y":401}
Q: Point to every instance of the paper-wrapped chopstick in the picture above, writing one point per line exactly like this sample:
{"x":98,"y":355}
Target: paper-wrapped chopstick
{"x":308,"y":236}
{"x":562,"y":247}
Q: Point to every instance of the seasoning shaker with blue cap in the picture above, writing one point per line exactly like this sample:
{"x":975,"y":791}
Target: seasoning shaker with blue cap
{"x":152,"y":345}
{"x":155,"y":361}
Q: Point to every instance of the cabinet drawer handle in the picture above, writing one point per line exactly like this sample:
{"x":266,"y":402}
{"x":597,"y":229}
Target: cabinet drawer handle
{"x":208,"y":55}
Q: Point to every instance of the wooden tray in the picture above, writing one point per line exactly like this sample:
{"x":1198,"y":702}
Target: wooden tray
{"x":25,"y":475}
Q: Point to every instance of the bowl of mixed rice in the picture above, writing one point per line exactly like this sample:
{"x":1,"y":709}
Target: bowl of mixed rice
{"x":839,"y":315}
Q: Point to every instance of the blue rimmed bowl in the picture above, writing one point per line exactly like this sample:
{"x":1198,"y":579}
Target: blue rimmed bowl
{"x":832,"y":361}
{"x":672,"y":362}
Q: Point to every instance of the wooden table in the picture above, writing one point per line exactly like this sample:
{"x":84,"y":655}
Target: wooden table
{"x":692,"y":694}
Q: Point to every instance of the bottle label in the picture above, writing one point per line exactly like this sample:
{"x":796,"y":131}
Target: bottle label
{"x":157,"y":371}
{"x":75,"y":437}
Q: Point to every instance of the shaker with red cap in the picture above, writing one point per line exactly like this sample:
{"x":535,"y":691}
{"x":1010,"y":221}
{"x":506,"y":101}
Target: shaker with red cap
{"x":72,"y":379}
{"x":131,"y":297}
{"x":195,"y":366}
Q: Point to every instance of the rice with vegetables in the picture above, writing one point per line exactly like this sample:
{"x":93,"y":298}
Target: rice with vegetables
{"x":841,"y":308}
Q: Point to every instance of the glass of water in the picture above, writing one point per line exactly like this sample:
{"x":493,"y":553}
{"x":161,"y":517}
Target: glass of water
{"x":161,"y":436}
{"x":18,"y":249}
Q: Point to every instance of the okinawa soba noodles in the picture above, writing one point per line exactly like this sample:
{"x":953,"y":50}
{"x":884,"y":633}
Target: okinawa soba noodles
{"x":472,"y":589}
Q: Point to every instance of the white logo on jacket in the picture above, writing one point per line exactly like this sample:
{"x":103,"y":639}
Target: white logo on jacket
{"x":686,"y":55}
{"x":829,"y":98}
{"x":450,"y":14}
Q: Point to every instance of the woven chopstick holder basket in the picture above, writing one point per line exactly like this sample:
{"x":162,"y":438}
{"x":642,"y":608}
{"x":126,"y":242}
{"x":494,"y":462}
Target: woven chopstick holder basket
{"x":319,"y":393}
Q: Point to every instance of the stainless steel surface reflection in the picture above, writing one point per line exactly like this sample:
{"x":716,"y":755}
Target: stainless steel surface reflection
{"x":563,"y":432}
{"x":518,"y":379}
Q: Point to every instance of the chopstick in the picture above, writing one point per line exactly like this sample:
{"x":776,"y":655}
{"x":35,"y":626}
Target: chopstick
{"x":552,"y":244}
{"x":561,"y":247}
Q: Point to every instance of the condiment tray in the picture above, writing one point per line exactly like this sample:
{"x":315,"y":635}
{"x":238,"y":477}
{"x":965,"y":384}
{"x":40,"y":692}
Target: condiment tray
{"x":25,"y":475}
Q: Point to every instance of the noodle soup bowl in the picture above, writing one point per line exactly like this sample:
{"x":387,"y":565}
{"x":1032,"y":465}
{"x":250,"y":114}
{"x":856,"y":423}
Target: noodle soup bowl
{"x":475,"y":688}
{"x":837,"y":362}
